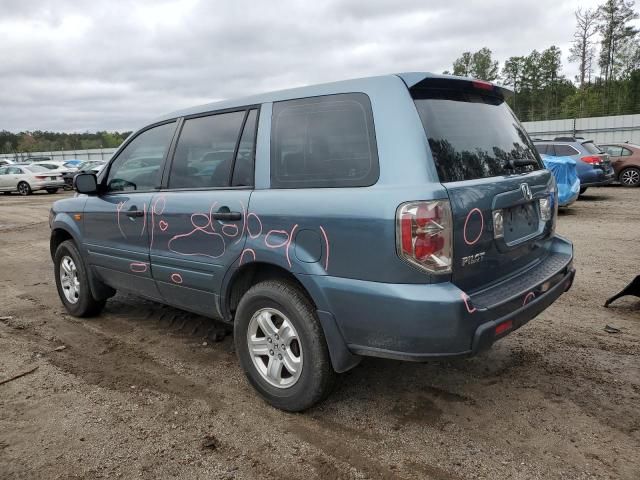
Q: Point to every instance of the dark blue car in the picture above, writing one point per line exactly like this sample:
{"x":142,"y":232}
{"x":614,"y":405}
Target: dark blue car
{"x":592,"y":164}
{"x":403,"y":216}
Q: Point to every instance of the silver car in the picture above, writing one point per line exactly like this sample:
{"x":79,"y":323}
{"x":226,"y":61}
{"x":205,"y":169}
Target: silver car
{"x":25,"y":179}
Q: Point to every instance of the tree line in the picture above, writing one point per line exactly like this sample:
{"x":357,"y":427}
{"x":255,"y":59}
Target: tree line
{"x":40,"y":141}
{"x":606,"y":49}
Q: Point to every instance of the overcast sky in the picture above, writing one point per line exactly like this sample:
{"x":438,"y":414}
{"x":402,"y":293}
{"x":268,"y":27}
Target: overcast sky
{"x":70,"y":65}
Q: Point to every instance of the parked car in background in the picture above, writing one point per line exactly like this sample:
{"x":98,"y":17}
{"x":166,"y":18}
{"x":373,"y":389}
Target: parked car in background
{"x":29,"y":160}
{"x":625,"y":158}
{"x":88,"y":166}
{"x":402,"y":216}
{"x":58,"y":167}
{"x":25,"y":178}
{"x":73,"y":163}
{"x":567,"y":181}
{"x":6,"y":161}
{"x":592,"y":164}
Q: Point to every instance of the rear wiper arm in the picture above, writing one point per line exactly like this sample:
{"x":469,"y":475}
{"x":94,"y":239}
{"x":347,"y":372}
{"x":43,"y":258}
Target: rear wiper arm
{"x":519,"y":162}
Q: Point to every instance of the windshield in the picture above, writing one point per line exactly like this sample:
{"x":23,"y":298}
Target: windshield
{"x":591,"y":147}
{"x":473,"y":136}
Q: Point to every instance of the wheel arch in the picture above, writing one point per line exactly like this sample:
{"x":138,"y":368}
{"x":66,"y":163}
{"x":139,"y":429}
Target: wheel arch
{"x":245,"y":276}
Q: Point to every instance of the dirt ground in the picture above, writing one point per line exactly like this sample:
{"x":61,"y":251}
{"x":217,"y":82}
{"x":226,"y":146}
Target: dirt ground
{"x":145,"y":391}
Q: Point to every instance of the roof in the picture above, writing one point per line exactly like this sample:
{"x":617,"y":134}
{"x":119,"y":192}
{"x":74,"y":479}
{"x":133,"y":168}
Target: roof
{"x":410,"y":79}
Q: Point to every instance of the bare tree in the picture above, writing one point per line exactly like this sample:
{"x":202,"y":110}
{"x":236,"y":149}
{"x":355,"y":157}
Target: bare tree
{"x":582,"y":49}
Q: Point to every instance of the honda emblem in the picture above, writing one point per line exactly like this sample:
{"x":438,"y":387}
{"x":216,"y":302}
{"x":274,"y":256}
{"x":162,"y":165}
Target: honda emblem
{"x":526,"y":191}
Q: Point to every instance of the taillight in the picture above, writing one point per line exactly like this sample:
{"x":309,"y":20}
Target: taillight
{"x":423,"y":234}
{"x":40,"y":177}
{"x":592,"y":159}
{"x":481,"y":84}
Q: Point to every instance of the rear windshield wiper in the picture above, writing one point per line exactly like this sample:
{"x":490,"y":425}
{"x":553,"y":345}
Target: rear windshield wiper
{"x":520,"y":162}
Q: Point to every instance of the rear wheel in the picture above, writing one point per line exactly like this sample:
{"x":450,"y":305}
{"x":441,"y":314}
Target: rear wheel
{"x":630,"y":177}
{"x":24,"y":188}
{"x":52,"y":190}
{"x":281,"y":346}
{"x":583,"y":189}
{"x":73,"y":283}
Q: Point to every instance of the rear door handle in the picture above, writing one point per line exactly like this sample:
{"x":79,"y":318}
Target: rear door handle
{"x":134,"y":212}
{"x":225,"y":214}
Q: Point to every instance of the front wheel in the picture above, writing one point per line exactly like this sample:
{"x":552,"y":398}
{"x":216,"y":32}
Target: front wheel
{"x":52,"y":190}
{"x":24,"y":188}
{"x":73,"y":283}
{"x":630,"y":177}
{"x":281,"y":346}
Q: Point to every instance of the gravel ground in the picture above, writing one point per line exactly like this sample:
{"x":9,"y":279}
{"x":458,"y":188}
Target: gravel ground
{"x":146,"y":391}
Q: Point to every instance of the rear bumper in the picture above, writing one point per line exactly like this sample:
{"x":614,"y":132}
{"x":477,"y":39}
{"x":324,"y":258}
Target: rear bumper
{"x":418,"y":322}
{"x":47,"y":184}
{"x":598,"y":178}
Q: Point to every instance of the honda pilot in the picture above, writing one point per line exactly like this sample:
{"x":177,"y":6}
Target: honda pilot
{"x":403,"y":216}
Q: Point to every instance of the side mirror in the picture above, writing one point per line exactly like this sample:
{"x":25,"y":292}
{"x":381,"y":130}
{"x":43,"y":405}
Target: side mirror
{"x":85,"y":183}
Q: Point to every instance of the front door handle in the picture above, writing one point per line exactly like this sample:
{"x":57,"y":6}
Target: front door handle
{"x":225,"y":214}
{"x":134,"y":212}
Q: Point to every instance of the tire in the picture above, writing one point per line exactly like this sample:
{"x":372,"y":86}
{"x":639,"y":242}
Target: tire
{"x":630,"y":177}
{"x":276,"y":300}
{"x":52,"y":190}
{"x":24,"y":189}
{"x":84,"y":305}
{"x":583,"y":189}
{"x":7,"y":193}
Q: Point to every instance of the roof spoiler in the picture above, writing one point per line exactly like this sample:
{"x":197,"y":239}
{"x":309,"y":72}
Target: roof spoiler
{"x":421,"y":81}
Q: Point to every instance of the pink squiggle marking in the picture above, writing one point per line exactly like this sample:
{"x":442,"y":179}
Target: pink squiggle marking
{"x":210,"y":224}
{"x":244,"y":222}
{"x":144,"y":218}
{"x":163,"y":225}
{"x":289,"y":244}
{"x":176,"y":278}
{"x":466,"y":299}
{"x":259,"y":222}
{"x":326,"y":242}
{"x":528,"y":297}
{"x":227,"y":226}
{"x":274,"y":232}
{"x":464,"y":231}
{"x":138,"y":267}
{"x":119,"y":208}
{"x":245,"y":251}
{"x":155,"y":211}
{"x":200,"y":215}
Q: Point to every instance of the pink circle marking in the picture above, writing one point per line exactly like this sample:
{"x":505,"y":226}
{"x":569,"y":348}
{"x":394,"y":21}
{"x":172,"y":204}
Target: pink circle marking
{"x":163,"y":225}
{"x":138,"y":267}
{"x":475,"y":240}
{"x":251,"y":234}
{"x":176,"y":278}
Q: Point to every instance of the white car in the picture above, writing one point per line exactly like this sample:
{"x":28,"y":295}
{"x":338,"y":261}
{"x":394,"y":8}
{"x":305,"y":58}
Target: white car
{"x":28,"y":178}
{"x":57,"y":167}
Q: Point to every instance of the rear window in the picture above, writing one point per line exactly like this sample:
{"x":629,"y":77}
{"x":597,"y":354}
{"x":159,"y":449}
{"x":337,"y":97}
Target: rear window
{"x":565,"y":151}
{"x":472,"y":135}
{"x":325,"y":141}
{"x":592,"y":148}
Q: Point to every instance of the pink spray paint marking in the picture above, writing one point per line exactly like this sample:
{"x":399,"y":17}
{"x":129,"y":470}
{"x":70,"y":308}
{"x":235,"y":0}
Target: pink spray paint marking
{"x":289,"y":244}
{"x":163,"y":225}
{"x":119,"y":208}
{"x":326,"y":243}
{"x":466,"y":299}
{"x":144,"y":218}
{"x":244,"y":223}
{"x":276,"y":232}
{"x":156,"y":211}
{"x":528,"y":297}
{"x":245,"y":251}
{"x":176,"y":278}
{"x":251,"y":234}
{"x":203,"y":227}
{"x":138,"y":267}
{"x":475,"y":240}
{"x":230,"y":226}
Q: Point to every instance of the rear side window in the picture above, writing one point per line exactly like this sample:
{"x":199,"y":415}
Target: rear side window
{"x":204,"y":153}
{"x":592,"y":148}
{"x":542,"y":149}
{"x":473,"y":135}
{"x":565,"y":151}
{"x":245,"y":158}
{"x":326,"y":141}
{"x":613,"y":150}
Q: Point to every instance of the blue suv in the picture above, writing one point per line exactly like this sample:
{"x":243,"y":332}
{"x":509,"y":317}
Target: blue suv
{"x":593,"y":166}
{"x":402,"y":216}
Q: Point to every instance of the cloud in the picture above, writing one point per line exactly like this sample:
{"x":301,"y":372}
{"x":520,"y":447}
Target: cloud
{"x":70,"y":65}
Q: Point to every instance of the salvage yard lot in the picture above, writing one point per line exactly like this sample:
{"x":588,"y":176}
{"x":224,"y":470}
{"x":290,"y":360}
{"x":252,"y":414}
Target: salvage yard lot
{"x":145,"y":391}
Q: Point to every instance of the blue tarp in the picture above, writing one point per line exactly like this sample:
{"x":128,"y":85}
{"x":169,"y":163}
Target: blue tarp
{"x":564,"y":169}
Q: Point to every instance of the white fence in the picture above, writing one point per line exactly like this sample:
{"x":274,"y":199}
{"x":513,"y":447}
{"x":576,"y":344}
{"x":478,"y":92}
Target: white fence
{"x":95,"y":154}
{"x":619,"y":128}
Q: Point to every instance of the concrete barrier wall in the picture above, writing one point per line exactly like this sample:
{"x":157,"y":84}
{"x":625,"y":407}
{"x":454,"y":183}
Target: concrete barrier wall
{"x":619,"y":128}
{"x":95,"y":154}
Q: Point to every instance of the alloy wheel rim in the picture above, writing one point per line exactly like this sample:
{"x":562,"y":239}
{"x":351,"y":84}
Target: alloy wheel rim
{"x":275,"y":348}
{"x":22,"y":189}
{"x":631,"y":177}
{"x":69,"y":279}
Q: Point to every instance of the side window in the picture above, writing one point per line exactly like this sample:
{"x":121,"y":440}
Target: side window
{"x":14,"y":171}
{"x":564,"y":151}
{"x":542,"y":149}
{"x":3,"y":170}
{"x":613,"y":150}
{"x":204,"y":153}
{"x":138,"y":166}
{"x":326,"y":141}
{"x":244,"y":166}
{"x":551,"y":150}
{"x":626,"y":152}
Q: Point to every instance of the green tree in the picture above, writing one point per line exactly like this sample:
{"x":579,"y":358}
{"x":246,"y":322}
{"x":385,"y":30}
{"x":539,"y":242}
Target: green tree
{"x":613,"y":24}
{"x":583,"y":50}
{"x":478,"y":65}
